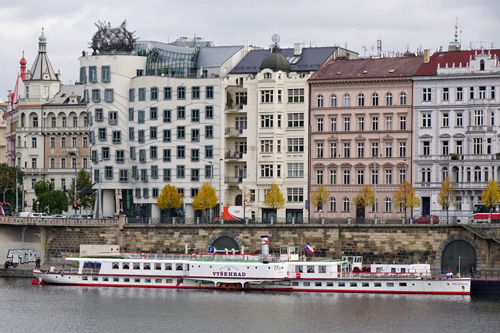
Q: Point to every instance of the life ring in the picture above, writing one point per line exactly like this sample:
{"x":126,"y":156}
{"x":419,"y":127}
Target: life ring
{"x":303,"y":258}
{"x":297,"y":275}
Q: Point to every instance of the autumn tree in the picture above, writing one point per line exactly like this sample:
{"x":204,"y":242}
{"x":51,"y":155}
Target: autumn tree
{"x":365,"y":198}
{"x":491,"y":196}
{"x":318,"y":197}
{"x":405,"y":197}
{"x":170,"y":199}
{"x":205,"y":199}
{"x":274,"y":198}
{"x":446,"y":197}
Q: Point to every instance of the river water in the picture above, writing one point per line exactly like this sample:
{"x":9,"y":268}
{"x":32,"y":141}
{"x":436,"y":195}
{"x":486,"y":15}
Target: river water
{"x":27,"y":308}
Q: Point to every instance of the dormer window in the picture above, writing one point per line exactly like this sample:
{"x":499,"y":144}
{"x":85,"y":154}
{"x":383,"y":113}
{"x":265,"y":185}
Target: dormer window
{"x":268,"y":76}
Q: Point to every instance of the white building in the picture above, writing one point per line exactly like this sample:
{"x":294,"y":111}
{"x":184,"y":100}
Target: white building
{"x":266,"y":129}
{"x":155,"y":119}
{"x":457,"y":128}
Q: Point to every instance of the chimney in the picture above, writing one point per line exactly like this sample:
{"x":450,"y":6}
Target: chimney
{"x":264,"y":245}
{"x":297,"y":49}
{"x":427,"y":57}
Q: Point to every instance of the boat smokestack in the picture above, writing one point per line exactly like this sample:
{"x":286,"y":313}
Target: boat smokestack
{"x":264,"y":245}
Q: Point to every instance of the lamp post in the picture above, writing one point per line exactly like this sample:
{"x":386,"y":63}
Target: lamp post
{"x":74,"y":161}
{"x":220,"y":190}
{"x":211,"y":176}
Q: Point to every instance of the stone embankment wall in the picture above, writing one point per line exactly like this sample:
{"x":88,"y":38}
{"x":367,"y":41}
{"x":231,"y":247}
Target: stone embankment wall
{"x":402,"y":244}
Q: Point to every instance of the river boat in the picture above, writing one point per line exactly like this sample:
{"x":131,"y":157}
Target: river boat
{"x":265,"y":272}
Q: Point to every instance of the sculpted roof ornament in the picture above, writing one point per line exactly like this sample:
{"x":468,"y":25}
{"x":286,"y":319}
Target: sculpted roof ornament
{"x":109,"y":39}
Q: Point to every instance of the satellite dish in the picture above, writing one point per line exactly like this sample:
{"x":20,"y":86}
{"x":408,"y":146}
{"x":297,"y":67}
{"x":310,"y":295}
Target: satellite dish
{"x":276,"y":38}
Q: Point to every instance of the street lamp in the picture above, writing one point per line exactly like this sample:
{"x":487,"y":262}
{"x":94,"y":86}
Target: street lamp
{"x":211,"y":176}
{"x":220,"y":190}
{"x":74,"y":162}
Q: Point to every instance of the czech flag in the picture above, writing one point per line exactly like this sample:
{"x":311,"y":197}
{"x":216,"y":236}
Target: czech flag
{"x":309,"y":249}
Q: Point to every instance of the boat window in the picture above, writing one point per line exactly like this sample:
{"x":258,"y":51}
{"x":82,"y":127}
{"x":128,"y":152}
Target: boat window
{"x":116,"y":265}
{"x":389,"y":284}
{"x":322,"y":269}
{"x":106,"y":279}
{"x":318,"y":284}
{"x":147,"y":280}
{"x":158,"y":280}
{"x":147,"y":266}
{"x":187,"y":267}
{"x":136,"y":265}
{"x":402,"y":284}
{"x":137,"y":280}
{"x":378,"y":284}
{"x":125,"y":265}
{"x":95,"y":278}
{"x":157,"y":267}
{"x":393,"y":270}
{"x":365,"y":284}
{"x":116,"y":279}
{"x":329,"y":284}
{"x":299,"y":269}
{"x":341,"y":284}
{"x":353,"y":284}
{"x":126,"y":279}
{"x":85,"y":278}
{"x":310,"y":269}
{"x":307,"y":284}
{"x":295,"y":284}
{"x":168,"y":280}
{"x":168,"y":267}
{"x":379,"y":269}
{"x":403,"y":270}
{"x":178,"y":267}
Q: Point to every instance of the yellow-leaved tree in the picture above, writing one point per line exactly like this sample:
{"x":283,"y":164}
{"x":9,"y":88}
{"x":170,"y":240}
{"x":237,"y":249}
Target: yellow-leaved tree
{"x":205,"y":199}
{"x":405,"y":197}
{"x":318,"y":197}
{"x":274,"y":198}
{"x":491,"y":196}
{"x":446,"y":197}
{"x":365,"y":198}
{"x":170,"y":199}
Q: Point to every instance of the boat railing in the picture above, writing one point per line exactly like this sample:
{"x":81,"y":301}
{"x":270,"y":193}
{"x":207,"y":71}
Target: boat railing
{"x":203,"y":256}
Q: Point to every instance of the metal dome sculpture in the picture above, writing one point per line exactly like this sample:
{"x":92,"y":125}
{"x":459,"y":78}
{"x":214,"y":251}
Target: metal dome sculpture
{"x":108,"y":39}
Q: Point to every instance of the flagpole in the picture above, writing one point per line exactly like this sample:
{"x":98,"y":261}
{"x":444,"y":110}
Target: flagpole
{"x":301,"y":247}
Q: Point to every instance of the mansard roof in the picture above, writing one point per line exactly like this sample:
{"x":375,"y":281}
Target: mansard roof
{"x":368,"y":68}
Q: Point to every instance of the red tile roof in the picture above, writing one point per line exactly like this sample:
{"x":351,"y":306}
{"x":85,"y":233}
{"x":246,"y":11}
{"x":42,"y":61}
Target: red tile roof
{"x":450,"y":58}
{"x":368,"y":68}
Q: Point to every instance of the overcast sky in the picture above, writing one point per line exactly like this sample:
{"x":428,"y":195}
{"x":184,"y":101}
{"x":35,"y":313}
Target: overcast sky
{"x":357,"y":24}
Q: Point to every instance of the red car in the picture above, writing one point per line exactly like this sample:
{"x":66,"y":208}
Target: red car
{"x":427,"y":219}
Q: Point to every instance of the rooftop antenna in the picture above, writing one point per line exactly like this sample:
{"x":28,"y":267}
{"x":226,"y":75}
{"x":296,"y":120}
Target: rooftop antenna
{"x":379,"y":47}
{"x":364,"y":48}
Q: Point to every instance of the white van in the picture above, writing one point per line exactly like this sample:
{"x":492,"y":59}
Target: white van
{"x":24,"y":214}
{"x":31,"y":214}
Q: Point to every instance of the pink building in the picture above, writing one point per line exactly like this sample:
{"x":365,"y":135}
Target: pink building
{"x":361,"y":133}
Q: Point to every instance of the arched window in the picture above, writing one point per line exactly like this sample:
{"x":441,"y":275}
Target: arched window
{"x":333,"y":205}
{"x":347,"y":100}
{"x":333,"y":101}
{"x":23,"y":118}
{"x":375,"y":99}
{"x":346,"y":204}
{"x":481,"y":65}
{"x":388,"y":99}
{"x":444,"y":173}
{"x":402,"y":98}
{"x":468,"y":174}
{"x":388,"y":205}
{"x":268,"y":76}
{"x":320,"y":101}
{"x":477,"y":174}
{"x":361,"y":100}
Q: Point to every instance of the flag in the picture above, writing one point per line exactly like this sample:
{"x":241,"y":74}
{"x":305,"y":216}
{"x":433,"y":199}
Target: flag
{"x":309,"y":249}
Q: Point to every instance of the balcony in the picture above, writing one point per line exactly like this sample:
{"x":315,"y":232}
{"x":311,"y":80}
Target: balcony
{"x":36,"y":171}
{"x":233,"y":180}
{"x":480,"y":128}
{"x":233,"y":131}
{"x":232,"y":108}
{"x":233,"y":155}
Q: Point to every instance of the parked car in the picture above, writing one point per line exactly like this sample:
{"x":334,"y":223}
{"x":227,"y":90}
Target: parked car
{"x":75,"y":216}
{"x":57,"y":216}
{"x":427,"y":219}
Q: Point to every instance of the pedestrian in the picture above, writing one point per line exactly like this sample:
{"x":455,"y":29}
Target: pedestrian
{"x":472,"y":272}
{"x":37,"y":263}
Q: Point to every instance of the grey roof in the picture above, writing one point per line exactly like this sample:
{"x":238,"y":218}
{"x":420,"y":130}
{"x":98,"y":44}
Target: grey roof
{"x":42,"y":63}
{"x":216,"y":56}
{"x":62,"y":97}
{"x":149,"y":45}
{"x":311,"y":59}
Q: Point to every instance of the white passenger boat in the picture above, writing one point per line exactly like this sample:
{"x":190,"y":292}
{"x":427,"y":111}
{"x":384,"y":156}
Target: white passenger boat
{"x":250,"y":272}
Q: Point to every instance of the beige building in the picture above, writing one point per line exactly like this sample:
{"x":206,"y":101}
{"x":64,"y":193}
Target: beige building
{"x":361,"y":133}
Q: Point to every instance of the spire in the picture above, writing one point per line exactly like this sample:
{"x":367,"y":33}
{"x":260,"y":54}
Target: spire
{"x":23,"y":63}
{"x":455,"y":45}
{"x":42,"y":68}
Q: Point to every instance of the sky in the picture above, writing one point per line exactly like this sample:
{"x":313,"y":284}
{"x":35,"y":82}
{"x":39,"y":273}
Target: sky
{"x":356,"y":24}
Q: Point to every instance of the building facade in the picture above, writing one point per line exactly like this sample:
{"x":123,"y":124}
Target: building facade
{"x":361,"y":133}
{"x":50,"y":134}
{"x":155,"y":119}
{"x":456,"y":118}
{"x":266,"y":125}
